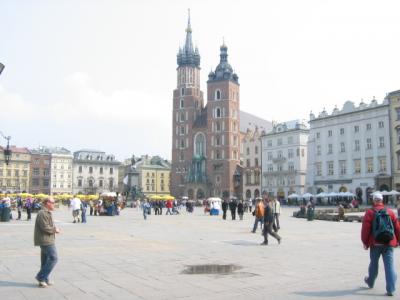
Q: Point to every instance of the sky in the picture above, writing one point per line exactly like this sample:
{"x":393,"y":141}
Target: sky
{"x":93,"y":74}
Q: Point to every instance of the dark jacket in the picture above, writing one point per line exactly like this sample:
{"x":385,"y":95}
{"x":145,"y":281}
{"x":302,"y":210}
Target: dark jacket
{"x":232,"y":205}
{"x":268,"y":214}
{"x":224,"y":205}
{"x":45,"y":230}
{"x":240,"y":208}
{"x":366,"y":231}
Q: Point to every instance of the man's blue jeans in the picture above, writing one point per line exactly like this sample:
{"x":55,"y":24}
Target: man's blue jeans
{"x":256,"y":221}
{"x":390,"y":274}
{"x":48,"y":259}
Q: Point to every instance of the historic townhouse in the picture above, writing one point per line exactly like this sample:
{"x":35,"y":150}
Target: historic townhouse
{"x":284,"y":159}
{"x":394,"y":116}
{"x":251,"y":162}
{"x":40,"y":174}
{"x":94,"y":172}
{"x":349,"y":150}
{"x":61,"y":171}
{"x":154,"y":175}
{"x":14,"y":177}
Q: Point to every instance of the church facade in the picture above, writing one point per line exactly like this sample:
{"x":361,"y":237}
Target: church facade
{"x":206,"y":136}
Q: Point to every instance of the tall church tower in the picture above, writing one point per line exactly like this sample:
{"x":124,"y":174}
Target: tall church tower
{"x":187,"y":106}
{"x":223,"y":124}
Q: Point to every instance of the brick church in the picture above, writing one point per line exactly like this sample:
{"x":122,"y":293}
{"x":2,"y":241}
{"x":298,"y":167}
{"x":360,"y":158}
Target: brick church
{"x":206,"y":136}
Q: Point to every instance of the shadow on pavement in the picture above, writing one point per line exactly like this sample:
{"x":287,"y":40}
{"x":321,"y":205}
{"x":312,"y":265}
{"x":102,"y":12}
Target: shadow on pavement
{"x":17,"y":284}
{"x":336,"y":293}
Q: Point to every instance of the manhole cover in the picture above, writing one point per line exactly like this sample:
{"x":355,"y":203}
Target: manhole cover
{"x":211,"y":269}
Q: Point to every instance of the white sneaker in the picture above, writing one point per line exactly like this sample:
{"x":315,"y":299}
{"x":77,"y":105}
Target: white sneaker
{"x":42,"y":284}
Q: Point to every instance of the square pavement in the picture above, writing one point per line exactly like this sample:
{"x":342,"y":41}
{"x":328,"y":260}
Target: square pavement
{"x":126,"y":257}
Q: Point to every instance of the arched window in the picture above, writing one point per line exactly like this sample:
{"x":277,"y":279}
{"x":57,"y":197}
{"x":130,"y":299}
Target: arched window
{"x":218,"y":112}
{"x":200,"y":144}
{"x":217,"y":95}
{"x":181,"y":103}
{"x":90,"y":169}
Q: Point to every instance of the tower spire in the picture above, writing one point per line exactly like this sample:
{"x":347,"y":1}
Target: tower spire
{"x":188,"y":43}
{"x":188,"y":55}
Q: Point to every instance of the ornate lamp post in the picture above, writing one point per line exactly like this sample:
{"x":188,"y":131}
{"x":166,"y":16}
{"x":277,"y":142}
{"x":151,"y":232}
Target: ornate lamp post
{"x":7,"y":151}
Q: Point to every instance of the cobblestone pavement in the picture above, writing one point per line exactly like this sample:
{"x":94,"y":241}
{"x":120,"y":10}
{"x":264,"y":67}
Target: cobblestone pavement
{"x":125,"y":257}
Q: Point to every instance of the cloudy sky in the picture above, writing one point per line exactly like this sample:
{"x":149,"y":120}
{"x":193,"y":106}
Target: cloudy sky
{"x":100,"y":74}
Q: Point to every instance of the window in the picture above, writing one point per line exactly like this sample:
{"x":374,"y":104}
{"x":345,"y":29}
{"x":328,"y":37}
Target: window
{"x":342,"y":147}
{"x":269,"y":156}
{"x":330,"y":149}
{"x":217,"y":126}
{"x":256,"y":177}
{"x":269,"y":143}
{"x":181,"y":102}
{"x":369,"y":143}
{"x":182,"y":90}
{"x":342,"y":164}
{"x":36,"y":171}
{"x":318,"y":135}
{"x":319,"y":150}
{"x":280,"y":168}
{"x":369,"y":126}
{"x":111,"y":171}
{"x":381,"y":142}
{"x":380,"y":124}
{"x":248,"y":151}
{"x":101,"y":170}
{"x":90,"y":170}
{"x":318,"y":167}
{"x":46,"y":172}
{"x":382,"y":164}
{"x":46,"y":183}
{"x":341,"y":131}
{"x":398,"y":135}
{"x":270,"y":168}
{"x":182,"y":130}
{"x":248,"y":163}
{"x":218,"y":112}
{"x":217,"y":141}
{"x":248,"y":178}
{"x":291,"y":167}
{"x":217,"y":95}
{"x":182,"y":117}
{"x":356,"y":145}
{"x":80,"y":182}
{"x":90,"y":183}
{"x":330,"y":168}
{"x":398,"y":114}
{"x":356,"y":128}
{"x":111,"y":183}
{"x":329,"y":132}
{"x":370,"y":165}
{"x":256,"y":149}
{"x":302,"y":152}
{"x":25,"y":173}
{"x":279,"y":142}
{"x":357,"y":166}
{"x":290,"y":140}
{"x":35,"y":181}
{"x":100,"y":182}
{"x":290,"y":153}
{"x":80,"y":169}
{"x":256,"y":162}
{"x":279,"y":154}
{"x":16,"y":173}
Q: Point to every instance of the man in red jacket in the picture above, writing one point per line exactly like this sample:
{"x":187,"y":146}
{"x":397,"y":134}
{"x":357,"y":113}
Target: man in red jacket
{"x":377,"y":249}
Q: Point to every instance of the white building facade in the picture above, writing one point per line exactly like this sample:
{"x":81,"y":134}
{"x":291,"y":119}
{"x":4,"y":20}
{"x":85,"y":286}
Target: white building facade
{"x":284,"y":159}
{"x":61,"y":171}
{"x":349,"y":150}
{"x":94,"y":172}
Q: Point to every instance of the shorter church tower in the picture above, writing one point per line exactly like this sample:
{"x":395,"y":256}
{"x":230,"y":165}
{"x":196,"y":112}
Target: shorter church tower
{"x":223,"y":127}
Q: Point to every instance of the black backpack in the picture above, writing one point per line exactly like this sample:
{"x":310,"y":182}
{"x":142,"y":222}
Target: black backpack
{"x":382,"y":227}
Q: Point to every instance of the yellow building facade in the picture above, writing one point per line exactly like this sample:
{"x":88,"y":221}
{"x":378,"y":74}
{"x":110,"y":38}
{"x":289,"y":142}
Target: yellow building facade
{"x":154,"y":176}
{"x":14,"y":177}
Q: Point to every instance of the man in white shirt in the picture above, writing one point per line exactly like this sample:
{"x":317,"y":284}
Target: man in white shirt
{"x":76,"y":206}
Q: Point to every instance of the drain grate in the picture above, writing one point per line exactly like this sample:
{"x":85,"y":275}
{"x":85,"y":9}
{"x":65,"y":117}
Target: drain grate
{"x":211,"y":269}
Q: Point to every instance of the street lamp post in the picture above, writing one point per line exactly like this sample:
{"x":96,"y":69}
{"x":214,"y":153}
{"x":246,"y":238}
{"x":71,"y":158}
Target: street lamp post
{"x":7,"y":151}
